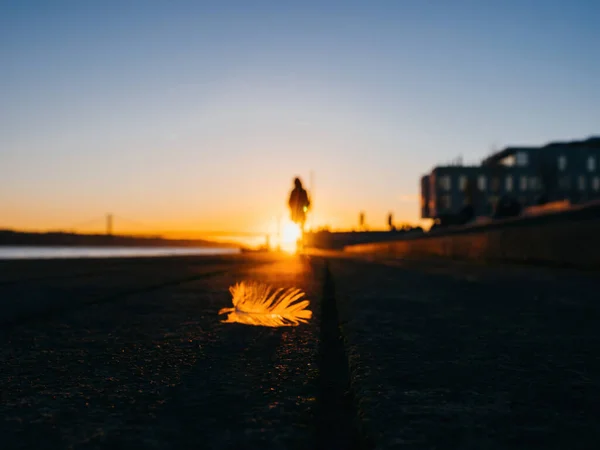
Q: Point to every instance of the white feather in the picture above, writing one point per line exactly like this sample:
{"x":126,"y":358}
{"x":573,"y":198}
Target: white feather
{"x":261,"y":305}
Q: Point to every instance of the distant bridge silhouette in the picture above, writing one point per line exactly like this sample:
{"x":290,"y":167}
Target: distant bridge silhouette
{"x":105,"y":224}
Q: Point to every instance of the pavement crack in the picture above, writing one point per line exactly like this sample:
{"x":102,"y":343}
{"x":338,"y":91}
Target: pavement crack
{"x":337,"y":416}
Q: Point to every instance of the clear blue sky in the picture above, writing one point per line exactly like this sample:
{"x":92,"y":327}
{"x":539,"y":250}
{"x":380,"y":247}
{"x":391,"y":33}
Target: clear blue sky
{"x":196,"y":115}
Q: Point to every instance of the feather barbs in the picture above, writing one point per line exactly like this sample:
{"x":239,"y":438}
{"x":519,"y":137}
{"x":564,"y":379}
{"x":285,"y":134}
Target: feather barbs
{"x":261,"y":305}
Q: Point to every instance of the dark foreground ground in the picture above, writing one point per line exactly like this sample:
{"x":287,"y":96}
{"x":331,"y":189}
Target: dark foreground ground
{"x":131,"y":354}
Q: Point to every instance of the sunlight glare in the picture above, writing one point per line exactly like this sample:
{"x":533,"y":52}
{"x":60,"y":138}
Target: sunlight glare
{"x":290,"y":234}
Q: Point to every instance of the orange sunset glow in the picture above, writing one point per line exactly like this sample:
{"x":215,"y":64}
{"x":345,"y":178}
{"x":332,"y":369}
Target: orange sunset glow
{"x":178,"y":220}
{"x":191,"y":120}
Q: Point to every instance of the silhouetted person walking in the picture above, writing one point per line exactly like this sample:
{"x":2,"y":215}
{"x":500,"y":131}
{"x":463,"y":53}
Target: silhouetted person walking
{"x":299,"y":204}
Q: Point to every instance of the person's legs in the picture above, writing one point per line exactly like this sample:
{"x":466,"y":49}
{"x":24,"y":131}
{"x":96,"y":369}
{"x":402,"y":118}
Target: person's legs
{"x":300,"y":241}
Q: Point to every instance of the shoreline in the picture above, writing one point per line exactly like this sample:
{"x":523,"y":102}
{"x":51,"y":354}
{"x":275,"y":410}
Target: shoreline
{"x":60,"y":253}
{"x":62,"y":239}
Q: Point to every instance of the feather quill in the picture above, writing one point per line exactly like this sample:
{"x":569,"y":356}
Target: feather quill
{"x":261,"y":305}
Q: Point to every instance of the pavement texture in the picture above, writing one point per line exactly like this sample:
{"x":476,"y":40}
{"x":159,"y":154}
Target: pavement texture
{"x":137,"y":358}
{"x":130,"y":353}
{"x":456,"y":356}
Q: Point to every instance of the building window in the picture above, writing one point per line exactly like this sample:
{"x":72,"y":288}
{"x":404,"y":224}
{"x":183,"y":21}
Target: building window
{"x":534,"y":183}
{"x":581,"y":182}
{"x":509,"y":161}
{"x":596,"y":184}
{"x":495,"y":184}
{"x":523,"y":183}
{"x":591,"y":164}
{"x":446,"y":182}
{"x":509,"y":183}
{"x":522,"y":159}
{"x":462,"y":183}
{"x":445,"y":202}
{"x":482,"y":183}
{"x":493,"y":201}
{"x":562,"y":163}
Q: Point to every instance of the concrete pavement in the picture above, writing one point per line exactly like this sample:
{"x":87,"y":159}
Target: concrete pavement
{"x":456,"y":356}
{"x":131,"y":354}
{"x":155,"y":368}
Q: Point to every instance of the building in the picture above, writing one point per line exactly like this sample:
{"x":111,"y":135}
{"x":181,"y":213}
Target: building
{"x":527,"y":175}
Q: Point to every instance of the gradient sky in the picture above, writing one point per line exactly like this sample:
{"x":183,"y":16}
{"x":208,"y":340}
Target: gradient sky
{"x":197,"y":115}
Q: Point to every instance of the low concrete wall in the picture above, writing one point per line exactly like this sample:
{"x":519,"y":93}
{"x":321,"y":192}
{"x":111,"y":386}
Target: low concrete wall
{"x":571,"y":244}
{"x":337,"y":240}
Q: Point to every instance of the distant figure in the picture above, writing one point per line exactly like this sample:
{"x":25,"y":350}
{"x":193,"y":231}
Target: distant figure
{"x":391,"y":225}
{"x":299,"y":204}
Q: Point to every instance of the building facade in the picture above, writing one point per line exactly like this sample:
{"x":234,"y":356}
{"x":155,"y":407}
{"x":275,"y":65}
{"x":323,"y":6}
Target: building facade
{"x":527,"y":175}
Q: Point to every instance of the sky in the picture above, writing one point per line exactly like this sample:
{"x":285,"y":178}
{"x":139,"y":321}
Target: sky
{"x":194,"y":116}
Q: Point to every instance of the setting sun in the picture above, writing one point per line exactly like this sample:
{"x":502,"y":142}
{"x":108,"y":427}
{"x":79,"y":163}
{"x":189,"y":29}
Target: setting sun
{"x":290,"y":233}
